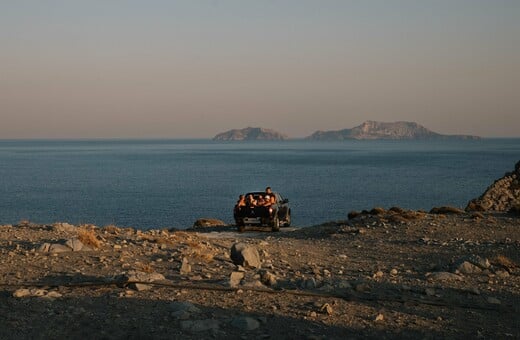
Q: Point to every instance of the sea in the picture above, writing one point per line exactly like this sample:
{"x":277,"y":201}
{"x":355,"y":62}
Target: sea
{"x":152,"y":184}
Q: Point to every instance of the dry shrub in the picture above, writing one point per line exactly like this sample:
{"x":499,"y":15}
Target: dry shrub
{"x":446,"y":210}
{"x":88,"y":237}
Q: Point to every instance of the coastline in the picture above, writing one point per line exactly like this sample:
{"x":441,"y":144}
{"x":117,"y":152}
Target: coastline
{"x":404,"y":274}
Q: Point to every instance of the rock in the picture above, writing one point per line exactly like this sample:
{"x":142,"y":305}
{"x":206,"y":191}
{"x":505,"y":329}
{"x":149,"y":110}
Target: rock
{"x":267,"y":278}
{"x":245,"y":323}
{"x":183,"y":310}
{"x":429,"y":291}
{"x":393,"y":272}
{"x":59,"y":248}
{"x":245,"y":255}
{"x":379,"y":274}
{"x":502,"y":274}
{"x":478,"y":261}
{"x":327,"y":308}
{"x":19,"y":293}
{"x":139,"y":286}
{"x":44,"y":248}
{"x":63,"y":227}
{"x":353,"y":214}
{"x":138,"y":276}
{"x":503,"y":195}
{"x":74,"y":244}
{"x":444,"y":276}
{"x":468,"y":268}
{"x":196,"y":326}
{"x":377,"y":211}
{"x":309,"y":283}
{"x":379,"y":317}
{"x":53,"y":295}
{"x":185,"y":267}
{"x":208,"y":222}
{"x":235,"y":278}
{"x":493,"y":301}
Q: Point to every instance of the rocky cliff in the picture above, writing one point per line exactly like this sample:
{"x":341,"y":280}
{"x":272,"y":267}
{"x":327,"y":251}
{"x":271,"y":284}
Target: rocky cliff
{"x":381,"y":130}
{"x":503,"y":195}
{"x":250,"y":134}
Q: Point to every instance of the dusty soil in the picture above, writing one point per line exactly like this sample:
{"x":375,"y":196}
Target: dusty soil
{"x":386,"y":275}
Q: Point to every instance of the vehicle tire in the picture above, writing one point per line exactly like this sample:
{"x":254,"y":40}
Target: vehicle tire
{"x":287,"y":220}
{"x":275,"y":226}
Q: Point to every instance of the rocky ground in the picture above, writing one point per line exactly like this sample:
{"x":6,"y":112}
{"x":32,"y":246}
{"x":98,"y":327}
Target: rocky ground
{"x":381,"y":274}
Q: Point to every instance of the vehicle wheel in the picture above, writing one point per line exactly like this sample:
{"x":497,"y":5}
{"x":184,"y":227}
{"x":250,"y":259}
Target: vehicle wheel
{"x":275,"y":224}
{"x":288,"y":220}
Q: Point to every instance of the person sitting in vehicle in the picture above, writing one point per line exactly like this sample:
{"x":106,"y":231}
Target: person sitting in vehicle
{"x":251,"y":201}
{"x":241,"y":203}
{"x":267,"y":201}
{"x":272,"y":198}
{"x":260,"y":201}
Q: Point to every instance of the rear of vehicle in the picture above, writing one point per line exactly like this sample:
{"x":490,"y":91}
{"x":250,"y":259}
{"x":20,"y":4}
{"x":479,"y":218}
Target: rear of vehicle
{"x":274,"y":215}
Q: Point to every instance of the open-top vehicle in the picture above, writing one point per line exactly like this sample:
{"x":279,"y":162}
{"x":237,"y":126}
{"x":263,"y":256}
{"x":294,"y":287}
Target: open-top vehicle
{"x":275,"y":215}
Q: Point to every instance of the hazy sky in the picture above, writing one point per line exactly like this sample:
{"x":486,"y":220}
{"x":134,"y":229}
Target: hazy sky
{"x":196,"y":68}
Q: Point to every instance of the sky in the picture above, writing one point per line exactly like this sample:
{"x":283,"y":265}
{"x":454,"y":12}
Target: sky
{"x":192,"y":69}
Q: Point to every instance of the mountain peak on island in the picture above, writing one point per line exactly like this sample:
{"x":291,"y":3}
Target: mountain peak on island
{"x":250,"y":134}
{"x":382,"y":130}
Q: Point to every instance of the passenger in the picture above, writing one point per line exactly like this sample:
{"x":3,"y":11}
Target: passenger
{"x":269,"y":192}
{"x":241,"y":201}
{"x":260,"y":201}
{"x":251,"y":201}
{"x":267,"y":201}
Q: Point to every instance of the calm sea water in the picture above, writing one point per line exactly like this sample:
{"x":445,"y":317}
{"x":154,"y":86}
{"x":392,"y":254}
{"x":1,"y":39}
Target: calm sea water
{"x":170,"y":183}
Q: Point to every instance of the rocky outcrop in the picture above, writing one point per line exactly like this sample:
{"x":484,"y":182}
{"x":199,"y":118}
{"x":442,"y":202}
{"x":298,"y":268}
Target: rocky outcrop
{"x":250,"y":134}
{"x":503,"y":195}
{"x":381,"y":130}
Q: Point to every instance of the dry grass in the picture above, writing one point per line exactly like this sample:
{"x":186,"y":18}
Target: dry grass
{"x":88,"y":237}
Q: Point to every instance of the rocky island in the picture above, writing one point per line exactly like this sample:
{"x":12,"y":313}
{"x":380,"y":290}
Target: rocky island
{"x":382,"y":273}
{"x":381,"y":130}
{"x":250,"y":134}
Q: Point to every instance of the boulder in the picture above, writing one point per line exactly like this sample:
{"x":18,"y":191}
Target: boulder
{"x":208,"y":222}
{"x":502,"y":196}
{"x":74,"y":244}
{"x":245,"y":255}
{"x":138,"y":276}
{"x":63,"y":227}
{"x":59,"y":248}
{"x":245,"y":323}
{"x":444,"y":276}
{"x":235,"y":278}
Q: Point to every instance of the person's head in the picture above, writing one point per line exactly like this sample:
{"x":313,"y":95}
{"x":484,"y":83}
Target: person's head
{"x":268,"y":190}
{"x":267,"y":197}
{"x":241,"y":197}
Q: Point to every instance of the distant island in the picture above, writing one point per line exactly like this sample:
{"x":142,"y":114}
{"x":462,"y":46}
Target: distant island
{"x":369,"y":130}
{"x":250,"y":134}
{"x":381,"y":130}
